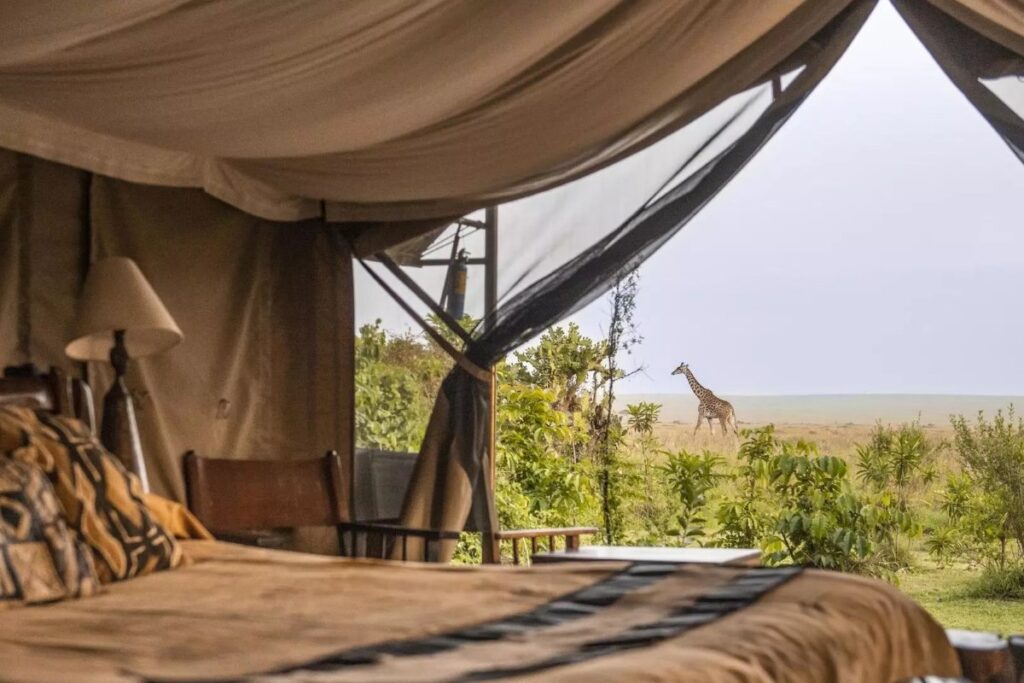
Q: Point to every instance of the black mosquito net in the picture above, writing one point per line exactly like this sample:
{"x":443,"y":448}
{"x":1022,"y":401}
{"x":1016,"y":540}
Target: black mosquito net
{"x":561,"y":249}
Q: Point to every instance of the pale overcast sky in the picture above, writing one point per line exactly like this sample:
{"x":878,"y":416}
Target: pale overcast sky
{"x":875,"y":245}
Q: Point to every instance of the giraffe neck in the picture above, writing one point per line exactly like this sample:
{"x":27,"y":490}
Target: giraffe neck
{"x":700,"y":391}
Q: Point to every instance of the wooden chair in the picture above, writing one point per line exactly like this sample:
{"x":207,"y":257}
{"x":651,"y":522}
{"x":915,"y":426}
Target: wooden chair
{"x":255,"y":501}
{"x":252,"y":501}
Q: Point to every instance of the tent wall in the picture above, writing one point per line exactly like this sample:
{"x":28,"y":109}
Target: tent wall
{"x":266,"y":366}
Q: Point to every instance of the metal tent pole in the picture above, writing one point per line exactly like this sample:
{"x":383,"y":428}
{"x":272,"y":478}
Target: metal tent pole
{"x":491,"y":549}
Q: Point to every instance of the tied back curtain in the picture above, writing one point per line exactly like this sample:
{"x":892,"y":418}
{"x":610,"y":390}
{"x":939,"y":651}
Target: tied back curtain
{"x":571,"y":263}
{"x":387,"y":109}
{"x":980,"y":46}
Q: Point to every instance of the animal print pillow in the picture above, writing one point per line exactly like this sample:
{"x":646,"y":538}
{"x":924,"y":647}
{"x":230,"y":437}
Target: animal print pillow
{"x":102,"y":501}
{"x":41,"y":559}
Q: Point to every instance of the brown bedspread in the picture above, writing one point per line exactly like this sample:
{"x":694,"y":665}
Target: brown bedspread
{"x":239,"y":612}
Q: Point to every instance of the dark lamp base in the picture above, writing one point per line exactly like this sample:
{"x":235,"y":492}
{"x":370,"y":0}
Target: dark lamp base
{"x":120,"y":432}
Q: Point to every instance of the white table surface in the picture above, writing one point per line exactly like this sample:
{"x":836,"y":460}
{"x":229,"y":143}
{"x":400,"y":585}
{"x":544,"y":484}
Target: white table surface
{"x":616,"y":553}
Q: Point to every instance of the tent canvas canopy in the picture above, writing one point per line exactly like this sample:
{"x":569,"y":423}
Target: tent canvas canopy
{"x":241,"y":152}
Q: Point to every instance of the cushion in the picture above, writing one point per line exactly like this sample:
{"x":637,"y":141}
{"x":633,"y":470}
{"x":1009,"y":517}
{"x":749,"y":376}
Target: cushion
{"x":41,"y":559}
{"x":102,"y":501}
{"x":176,"y":518}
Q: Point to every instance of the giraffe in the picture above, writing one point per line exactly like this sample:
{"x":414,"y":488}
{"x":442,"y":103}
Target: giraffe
{"x":711,"y":407}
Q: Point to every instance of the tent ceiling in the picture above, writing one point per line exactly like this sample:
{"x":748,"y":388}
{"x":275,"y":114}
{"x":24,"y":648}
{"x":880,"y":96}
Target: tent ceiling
{"x":398,"y":110}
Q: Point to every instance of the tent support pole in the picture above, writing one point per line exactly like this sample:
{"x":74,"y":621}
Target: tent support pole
{"x":491,"y":551}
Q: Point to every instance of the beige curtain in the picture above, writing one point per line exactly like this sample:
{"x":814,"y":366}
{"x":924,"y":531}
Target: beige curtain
{"x":388,"y":109}
{"x":265,"y":368}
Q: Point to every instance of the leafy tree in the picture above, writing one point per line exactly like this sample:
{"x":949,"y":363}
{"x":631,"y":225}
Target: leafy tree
{"x":397,"y":378}
{"x":606,"y":427}
{"x":562,"y":361}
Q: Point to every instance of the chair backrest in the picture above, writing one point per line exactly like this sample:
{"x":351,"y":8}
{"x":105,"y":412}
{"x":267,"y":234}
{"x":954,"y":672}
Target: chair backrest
{"x":244,"y":495}
{"x":53,"y":391}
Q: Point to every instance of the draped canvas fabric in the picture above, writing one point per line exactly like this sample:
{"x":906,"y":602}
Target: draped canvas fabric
{"x":396,"y":109}
{"x":1001,"y":21}
{"x":265,"y":367}
{"x":979,"y":44}
{"x":449,"y":484}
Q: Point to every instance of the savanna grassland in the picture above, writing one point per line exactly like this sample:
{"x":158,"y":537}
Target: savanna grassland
{"x":836,"y":439}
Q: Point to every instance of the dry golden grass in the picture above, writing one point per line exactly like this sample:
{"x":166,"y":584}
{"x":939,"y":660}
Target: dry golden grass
{"x":834,"y":439}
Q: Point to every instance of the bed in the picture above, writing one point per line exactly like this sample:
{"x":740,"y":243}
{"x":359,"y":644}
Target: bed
{"x":239,"y":613}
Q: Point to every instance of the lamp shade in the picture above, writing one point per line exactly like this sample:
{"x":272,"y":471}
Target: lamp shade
{"x":117,"y":296}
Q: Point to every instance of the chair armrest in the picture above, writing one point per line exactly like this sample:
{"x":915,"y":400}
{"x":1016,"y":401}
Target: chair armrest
{"x":267,"y":538}
{"x":395,"y":529}
{"x":381,"y":537}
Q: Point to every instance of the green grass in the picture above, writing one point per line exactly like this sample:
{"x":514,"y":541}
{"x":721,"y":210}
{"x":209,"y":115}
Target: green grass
{"x":942,"y":592}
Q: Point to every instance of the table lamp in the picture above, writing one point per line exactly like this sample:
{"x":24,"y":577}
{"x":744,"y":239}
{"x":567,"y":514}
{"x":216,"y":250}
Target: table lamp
{"x":121,"y":317}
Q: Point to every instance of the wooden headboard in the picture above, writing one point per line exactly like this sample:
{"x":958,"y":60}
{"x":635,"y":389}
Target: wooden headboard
{"x":53,"y":391}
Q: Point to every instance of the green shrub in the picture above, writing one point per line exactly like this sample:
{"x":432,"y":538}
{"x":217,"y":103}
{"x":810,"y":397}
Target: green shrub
{"x":944,"y":543}
{"x":536,"y":479}
{"x":992,"y":454}
{"x":995,"y":583}
{"x":896,"y":466}
{"x":690,"y":477}
{"x":821,"y":522}
{"x":799,"y":507}
{"x":898,"y":460}
{"x":746,"y":518}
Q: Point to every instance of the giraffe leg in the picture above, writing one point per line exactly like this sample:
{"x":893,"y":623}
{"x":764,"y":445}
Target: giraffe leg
{"x":725,"y":425}
{"x":700,"y":418}
{"x":711,"y":427}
